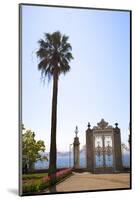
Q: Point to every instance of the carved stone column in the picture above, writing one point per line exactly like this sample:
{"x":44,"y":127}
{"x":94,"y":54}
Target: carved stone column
{"x":117,"y":149}
{"x":76,"y":149}
{"x":89,"y":149}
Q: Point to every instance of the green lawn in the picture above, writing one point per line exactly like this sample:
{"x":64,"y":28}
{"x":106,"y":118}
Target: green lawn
{"x":34,"y":176}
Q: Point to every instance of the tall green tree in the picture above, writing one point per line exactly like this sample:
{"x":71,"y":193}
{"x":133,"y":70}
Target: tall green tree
{"x":54,"y":55}
{"x":31,"y":150}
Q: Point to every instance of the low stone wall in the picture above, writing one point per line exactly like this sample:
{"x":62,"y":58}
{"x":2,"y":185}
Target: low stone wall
{"x":80,"y":170}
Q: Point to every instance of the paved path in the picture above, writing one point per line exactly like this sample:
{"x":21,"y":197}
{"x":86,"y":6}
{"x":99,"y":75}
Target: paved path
{"x":87,"y":181}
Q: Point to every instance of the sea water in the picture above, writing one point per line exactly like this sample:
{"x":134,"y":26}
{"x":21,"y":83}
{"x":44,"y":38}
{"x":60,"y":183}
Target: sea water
{"x":66,"y":161}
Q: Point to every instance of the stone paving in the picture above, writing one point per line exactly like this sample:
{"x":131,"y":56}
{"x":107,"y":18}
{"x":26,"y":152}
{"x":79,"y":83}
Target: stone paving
{"x":87,"y":181}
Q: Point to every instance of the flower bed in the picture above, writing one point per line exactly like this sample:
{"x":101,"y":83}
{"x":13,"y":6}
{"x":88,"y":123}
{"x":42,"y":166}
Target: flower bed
{"x":46,"y":181}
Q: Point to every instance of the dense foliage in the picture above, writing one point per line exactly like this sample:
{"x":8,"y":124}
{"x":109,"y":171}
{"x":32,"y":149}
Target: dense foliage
{"x":31,"y":150}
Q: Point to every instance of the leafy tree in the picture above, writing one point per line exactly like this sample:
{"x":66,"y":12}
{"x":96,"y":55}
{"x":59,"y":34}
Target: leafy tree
{"x":31,"y":150}
{"x":54,"y":55}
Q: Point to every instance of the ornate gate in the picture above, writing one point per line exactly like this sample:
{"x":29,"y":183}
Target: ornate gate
{"x":103,"y":151}
{"x":103,"y":148}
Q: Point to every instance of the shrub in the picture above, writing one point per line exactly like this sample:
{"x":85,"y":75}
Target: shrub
{"x":57,"y":177}
{"x":46,"y":181}
{"x":33,"y":187}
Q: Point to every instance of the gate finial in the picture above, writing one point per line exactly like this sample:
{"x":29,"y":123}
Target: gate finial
{"x":76,"y":130}
{"x":116,"y":124}
{"x":89,"y":125}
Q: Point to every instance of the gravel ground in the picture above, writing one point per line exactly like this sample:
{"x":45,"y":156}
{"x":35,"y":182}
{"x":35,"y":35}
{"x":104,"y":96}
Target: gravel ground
{"x":87,"y":181}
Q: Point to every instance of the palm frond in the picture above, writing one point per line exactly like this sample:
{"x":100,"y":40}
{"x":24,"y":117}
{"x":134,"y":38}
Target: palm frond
{"x":69,"y":56}
{"x":66,"y":47}
{"x":56,"y":38}
{"x":42,"y":53}
{"x":64,"y":39}
{"x":54,"y":52}
{"x":64,"y":68}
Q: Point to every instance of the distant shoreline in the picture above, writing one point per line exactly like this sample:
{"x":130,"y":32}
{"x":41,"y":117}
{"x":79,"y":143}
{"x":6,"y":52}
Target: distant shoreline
{"x":63,"y":161}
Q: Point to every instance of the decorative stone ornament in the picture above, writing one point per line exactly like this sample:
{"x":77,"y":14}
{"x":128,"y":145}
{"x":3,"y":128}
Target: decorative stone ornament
{"x":102,"y":124}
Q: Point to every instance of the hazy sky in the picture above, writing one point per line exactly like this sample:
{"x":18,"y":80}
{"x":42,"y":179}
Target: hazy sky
{"x":98,"y":84}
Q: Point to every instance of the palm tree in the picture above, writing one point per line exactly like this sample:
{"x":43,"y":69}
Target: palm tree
{"x":54,"y":55}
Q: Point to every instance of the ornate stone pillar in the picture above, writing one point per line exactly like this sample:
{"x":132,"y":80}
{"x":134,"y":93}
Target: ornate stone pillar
{"x":76,"y":149}
{"x":117,"y":148}
{"x":89,"y":149}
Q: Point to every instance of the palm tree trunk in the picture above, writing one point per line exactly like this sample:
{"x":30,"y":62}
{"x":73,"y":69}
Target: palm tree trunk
{"x":53,"y":151}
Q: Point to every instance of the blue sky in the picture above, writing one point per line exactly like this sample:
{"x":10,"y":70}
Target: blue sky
{"x":98,"y":85}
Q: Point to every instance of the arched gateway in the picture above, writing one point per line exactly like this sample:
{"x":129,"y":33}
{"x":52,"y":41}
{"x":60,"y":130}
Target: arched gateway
{"x":103,"y":148}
